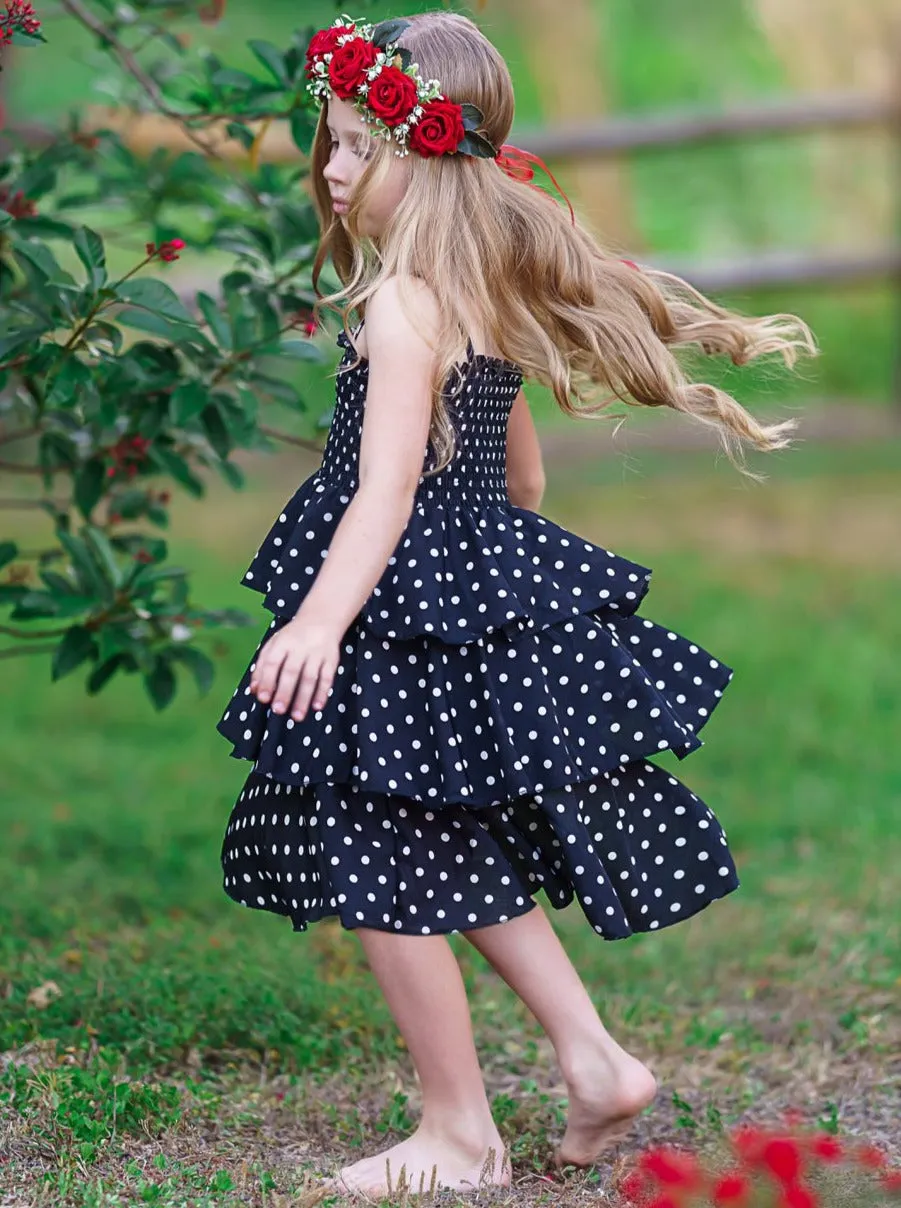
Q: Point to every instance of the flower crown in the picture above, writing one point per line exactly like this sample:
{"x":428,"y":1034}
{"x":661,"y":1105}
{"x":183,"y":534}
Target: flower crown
{"x":363,"y":63}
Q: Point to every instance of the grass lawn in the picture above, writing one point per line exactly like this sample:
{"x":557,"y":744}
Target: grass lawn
{"x":163,"y":1045}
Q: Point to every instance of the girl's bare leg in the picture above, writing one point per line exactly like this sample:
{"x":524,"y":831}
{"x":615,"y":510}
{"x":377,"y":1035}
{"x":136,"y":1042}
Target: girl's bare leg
{"x":423,"y":986}
{"x":606,"y":1086}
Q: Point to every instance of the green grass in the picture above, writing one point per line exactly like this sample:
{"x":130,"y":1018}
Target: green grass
{"x":112,"y":819}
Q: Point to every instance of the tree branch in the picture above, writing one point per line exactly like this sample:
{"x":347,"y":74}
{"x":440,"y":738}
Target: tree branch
{"x":16,"y":504}
{"x":11,"y":632}
{"x":12,"y":467}
{"x":127,"y":60}
{"x":12,"y":651}
{"x":6,"y":438}
{"x":291,"y":440}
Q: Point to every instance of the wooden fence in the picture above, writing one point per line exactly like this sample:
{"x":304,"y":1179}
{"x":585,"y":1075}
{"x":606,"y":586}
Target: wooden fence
{"x":618,"y":136}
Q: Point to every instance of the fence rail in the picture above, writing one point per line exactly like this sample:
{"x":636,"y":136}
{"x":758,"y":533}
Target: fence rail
{"x":614,"y":136}
{"x":617,"y":136}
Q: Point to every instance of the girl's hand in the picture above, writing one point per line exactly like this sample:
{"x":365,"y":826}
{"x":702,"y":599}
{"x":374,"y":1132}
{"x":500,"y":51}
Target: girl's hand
{"x":301,"y":658}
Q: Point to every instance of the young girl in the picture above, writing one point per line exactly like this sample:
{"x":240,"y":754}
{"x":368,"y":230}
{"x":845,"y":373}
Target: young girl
{"x":457,"y":702}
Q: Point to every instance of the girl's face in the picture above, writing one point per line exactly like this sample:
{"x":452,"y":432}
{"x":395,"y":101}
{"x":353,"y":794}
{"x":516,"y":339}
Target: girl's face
{"x":351,"y":149}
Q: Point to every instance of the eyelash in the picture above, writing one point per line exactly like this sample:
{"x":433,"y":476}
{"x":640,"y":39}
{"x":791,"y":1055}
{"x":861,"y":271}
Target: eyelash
{"x":334,"y":143}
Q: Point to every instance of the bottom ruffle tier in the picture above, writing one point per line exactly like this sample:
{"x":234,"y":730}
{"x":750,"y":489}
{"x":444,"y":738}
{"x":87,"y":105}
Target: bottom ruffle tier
{"x":634,"y":845}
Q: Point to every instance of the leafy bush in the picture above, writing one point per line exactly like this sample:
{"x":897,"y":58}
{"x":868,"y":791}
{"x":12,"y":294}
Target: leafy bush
{"x":111,"y":385}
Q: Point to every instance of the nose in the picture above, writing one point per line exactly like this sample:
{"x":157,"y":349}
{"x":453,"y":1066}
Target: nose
{"x":335,"y":171}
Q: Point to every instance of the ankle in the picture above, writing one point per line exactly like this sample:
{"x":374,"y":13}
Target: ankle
{"x":469,"y":1135}
{"x":591,"y":1055}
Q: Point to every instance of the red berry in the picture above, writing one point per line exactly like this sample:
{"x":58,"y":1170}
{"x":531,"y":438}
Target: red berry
{"x":150,"y":248}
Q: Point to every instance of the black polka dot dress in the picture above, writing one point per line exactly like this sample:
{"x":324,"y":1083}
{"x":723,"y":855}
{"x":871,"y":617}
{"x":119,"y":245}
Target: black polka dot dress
{"x":491,"y":726}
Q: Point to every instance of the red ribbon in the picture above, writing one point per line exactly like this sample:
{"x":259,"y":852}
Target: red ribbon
{"x":516,"y":163}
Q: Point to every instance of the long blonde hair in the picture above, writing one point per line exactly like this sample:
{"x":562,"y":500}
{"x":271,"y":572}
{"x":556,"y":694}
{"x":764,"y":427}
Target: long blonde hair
{"x":549,"y":297}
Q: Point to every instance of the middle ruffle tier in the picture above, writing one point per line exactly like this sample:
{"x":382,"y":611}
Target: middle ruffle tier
{"x":491,"y":720}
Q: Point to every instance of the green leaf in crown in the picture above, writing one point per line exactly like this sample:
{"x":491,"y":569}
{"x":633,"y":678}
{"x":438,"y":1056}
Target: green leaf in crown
{"x":388,"y":32}
{"x":472,"y":116}
{"x":476,"y":145}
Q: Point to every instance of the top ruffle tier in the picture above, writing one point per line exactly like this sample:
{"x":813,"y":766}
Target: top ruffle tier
{"x":458,"y":574}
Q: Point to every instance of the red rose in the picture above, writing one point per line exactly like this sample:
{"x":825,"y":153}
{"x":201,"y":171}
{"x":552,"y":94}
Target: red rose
{"x":392,"y":96}
{"x":325,"y":43}
{"x":350,"y":62}
{"x":440,"y":130}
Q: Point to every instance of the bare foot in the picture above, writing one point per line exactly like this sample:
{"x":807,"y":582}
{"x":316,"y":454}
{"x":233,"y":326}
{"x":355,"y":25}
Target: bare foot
{"x":425,"y":1157}
{"x":605,"y":1095}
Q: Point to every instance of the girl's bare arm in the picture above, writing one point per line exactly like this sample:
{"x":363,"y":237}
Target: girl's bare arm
{"x":392,"y":450}
{"x":525,"y":470}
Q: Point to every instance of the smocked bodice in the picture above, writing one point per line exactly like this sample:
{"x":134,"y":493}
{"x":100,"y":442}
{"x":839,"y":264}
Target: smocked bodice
{"x":479,"y":414}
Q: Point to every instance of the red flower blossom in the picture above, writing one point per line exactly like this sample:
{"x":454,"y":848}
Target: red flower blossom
{"x":143,"y":556}
{"x":797,"y":1197}
{"x":748,"y":1141}
{"x":670,"y":1168}
{"x":664,"y":1201}
{"x":127,"y":453}
{"x":440,"y":130}
{"x":18,"y":204}
{"x":325,"y":43}
{"x":782,"y":1157}
{"x":732,"y":1188}
{"x":167,"y":250}
{"x":349,"y":65}
{"x":870,"y":1156}
{"x":634,"y":1187}
{"x":392,"y":96}
{"x":19,"y":18}
{"x":827,"y":1148}
{"x":891,"y":1182}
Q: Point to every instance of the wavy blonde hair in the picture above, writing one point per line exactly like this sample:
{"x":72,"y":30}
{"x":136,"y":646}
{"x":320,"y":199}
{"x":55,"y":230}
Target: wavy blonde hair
{"x":570,"y":314}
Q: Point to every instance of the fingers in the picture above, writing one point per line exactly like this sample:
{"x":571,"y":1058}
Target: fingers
{"x":265,"y":675}
{"x":311,"y":685}
{"x":278,"y":678}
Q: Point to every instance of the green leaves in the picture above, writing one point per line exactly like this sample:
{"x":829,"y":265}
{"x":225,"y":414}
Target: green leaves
{"x":78,"y":644}
{"x":272,"y":59}
{"x":128,"y":386}
{"x":89,"y":247}
{"x":154,"y":296}
{"x":89,"y":483}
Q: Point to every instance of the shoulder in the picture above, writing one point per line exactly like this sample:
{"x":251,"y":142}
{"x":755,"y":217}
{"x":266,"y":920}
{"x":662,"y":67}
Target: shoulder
{"x":403,"y":318}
